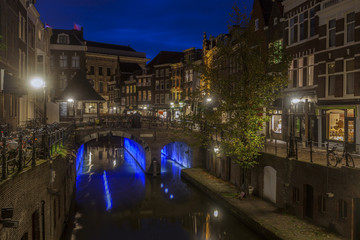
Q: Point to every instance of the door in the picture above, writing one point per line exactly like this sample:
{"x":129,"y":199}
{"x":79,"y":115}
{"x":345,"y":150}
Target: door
{"x":270,"y":183}
{"x":356,"y":219}
{"x":308,"y":201}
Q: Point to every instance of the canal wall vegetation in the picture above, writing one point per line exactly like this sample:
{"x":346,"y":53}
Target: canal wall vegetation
{"x":326,"y":196}
{"x":38,"y":199}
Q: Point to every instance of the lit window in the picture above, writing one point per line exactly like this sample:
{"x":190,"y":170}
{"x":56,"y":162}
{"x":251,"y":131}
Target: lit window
{"x":332,"y":33}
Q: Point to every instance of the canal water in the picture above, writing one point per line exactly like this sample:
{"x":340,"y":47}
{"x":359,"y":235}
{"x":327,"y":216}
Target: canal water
{"x":116,"y":200}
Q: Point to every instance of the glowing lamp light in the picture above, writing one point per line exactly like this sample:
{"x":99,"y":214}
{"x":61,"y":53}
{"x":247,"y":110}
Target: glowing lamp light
{"x":145,"y":107}
{"x":70,"y":100}
{"x":166,"y":190}
{"x":172,"y":104}
{"x":162,"y":185}
{"x":216,"y":149}
{"x":171,"y":196}
{"x":114,"y":108}
{"x":114,"y":163}
{"x":295,"y":100}
{"x":216,"y":213}
{"x":37,"y":82}
{"x":208,"y":99}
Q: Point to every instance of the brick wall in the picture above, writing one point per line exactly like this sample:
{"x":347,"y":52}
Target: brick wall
{"x":48,"y":183}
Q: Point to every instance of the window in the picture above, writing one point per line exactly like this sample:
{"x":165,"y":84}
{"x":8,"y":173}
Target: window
{"x":310,"y":77}
{"x":40,"y":64}
{"x":331,"y":79}
{"x":256,"y":24}
{"x":100,"y":71}
{"x":75,"y":61}
{"x":312,"y":22}
{"x":342,"y":209}
{"x":167,"y":98}
{"x":149,"y":95}
{"x":63,"y":39}
{"x":144,"y":95}
{"x":139,"y":95}
{"x":296,"y":194}
{"x":157,"y":85}
{"x":350,"y":27}
{"x":167,"y":84}
{"x":134,"y":88}
{"x":101,"y":87}
{"x":276,"y":125}
{"x":131,"y":88}
{"x":108,"y":71}
{"x":157,"y":99}
{"x":322,"y":204}
{"x":127,"y":89}
{"x":350,"y":77}
{"x":167,"y":73}
{"x":63,"y":81}
{"x":161,"y":72}
{"x":332,"y":33}
{"x":63,"y":61}
{"x":162,"y":98}
{"x":92,"y":70}
{"x":162,"y":85}
{"x":294,"y":74}
{"x":302,"y":26}
{"x":275,"y":21}
{"x":157,"y":72}
{"x":293,"y":30}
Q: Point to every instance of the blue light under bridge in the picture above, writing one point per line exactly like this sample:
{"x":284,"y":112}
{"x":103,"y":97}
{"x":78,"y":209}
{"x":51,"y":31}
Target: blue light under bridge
{"x":178,"y":152}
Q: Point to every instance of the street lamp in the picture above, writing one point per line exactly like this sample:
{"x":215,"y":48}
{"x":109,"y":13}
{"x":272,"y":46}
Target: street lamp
{"x":39,"y":83}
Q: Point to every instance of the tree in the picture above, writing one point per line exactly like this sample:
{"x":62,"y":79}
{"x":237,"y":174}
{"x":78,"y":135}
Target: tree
{"x":242,"y":77}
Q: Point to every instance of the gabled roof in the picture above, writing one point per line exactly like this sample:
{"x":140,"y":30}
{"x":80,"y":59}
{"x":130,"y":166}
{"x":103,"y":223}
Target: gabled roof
{"x":75,"y":37}
{"x":80,"y":89}
{"x":165,"y":57}
{"x":109,"y":46}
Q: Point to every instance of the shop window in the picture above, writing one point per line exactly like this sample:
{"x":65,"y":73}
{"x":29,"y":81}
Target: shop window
{"x":276,"y":125}
{"x":342,"y":209}
{"x":335,"y":120}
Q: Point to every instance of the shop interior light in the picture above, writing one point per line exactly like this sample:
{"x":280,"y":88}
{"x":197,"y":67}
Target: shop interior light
{"x":216,"y":213}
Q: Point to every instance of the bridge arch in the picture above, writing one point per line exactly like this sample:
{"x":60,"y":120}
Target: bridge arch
{"x":179,"y":152}
{"x":135,"y":145}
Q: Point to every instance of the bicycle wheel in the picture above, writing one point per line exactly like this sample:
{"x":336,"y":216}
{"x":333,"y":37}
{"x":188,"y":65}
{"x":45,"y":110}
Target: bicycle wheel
{"x":350,"y":160}
{"x":332,"y":160}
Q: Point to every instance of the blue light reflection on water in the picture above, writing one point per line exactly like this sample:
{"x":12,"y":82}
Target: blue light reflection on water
{"x":138,"y":171}
{"x":107,"y":192}
{"x":79,"y":163}
{"x":137,"y":151}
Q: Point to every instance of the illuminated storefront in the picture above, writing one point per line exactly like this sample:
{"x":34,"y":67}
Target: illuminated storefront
{"x":340,"y":125}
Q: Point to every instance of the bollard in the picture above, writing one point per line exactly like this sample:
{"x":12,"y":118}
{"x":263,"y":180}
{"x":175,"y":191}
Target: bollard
{"x":154,"y":168}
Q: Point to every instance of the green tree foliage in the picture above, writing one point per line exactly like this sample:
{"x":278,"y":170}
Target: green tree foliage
{"x":243,"y":77}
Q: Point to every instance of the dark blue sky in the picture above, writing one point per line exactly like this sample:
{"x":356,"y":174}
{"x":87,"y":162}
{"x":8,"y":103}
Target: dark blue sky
{"x":147,"y":26}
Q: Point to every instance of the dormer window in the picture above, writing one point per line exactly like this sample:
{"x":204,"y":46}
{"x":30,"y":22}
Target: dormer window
{"x":63,"y":39}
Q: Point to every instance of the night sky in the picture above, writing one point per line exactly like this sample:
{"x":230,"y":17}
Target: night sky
{"x":147,"y":26}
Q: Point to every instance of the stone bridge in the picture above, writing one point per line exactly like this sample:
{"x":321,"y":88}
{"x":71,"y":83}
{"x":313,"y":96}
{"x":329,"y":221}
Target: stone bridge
{"x":150,"y":144}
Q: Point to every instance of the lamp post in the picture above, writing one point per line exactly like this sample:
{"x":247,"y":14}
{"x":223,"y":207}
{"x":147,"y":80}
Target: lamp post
{"x":292,"y":152}
{"x":38,"y":83}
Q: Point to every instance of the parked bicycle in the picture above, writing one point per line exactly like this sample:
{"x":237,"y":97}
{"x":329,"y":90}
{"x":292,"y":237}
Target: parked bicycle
{"x":334,"y":158}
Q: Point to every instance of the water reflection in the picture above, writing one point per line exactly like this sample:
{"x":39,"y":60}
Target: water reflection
{"x":116,"y":200}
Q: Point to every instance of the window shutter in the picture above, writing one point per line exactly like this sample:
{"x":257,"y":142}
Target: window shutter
{"x":321,"y":87}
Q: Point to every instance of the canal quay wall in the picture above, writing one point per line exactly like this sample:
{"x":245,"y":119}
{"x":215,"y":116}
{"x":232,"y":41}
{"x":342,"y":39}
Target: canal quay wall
{"x":325,"y":196}
{"x":40,"y":198}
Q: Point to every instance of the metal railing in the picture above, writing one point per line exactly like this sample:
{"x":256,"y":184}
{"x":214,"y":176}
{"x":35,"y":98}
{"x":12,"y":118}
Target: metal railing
{"x":309,"y":151}
{"x":24,"y":147}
